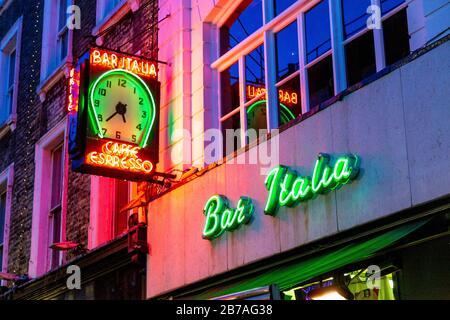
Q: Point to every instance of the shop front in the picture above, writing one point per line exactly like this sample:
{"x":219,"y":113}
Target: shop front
{"x":354,"y":206}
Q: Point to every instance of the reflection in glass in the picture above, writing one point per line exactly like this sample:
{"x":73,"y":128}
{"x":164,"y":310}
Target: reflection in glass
{"x":360,"y":58}
{"x":320,"y":80}
{"x":281,"y":5}
{"x":389,"y":5}
{"x":355,"y":16}
{"x":287,"y":51}
{"x":243,"y":22}
{"x":231,"y":134}
{"x":318,"y":37}
{"x":229,"y":80}
{"x":396,"y":37}
{"x":255,"y":73}
{"x":289,"y":100}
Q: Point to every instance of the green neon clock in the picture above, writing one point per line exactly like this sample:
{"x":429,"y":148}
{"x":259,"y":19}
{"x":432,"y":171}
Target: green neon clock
{"x":122,"y":107}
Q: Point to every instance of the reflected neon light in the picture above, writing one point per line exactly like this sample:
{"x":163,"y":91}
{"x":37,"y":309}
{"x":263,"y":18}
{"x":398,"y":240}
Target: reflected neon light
{"x":112,"y":60}
{"x":120,"y":156}
{"x":284,"y":96}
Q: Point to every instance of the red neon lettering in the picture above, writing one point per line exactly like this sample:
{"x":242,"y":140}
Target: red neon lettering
{"x":111,"y":60}
{"x":120,"y":156}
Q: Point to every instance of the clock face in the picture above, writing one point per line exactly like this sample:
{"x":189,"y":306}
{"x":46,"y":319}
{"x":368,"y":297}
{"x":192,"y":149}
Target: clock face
{"x":123,"y":107}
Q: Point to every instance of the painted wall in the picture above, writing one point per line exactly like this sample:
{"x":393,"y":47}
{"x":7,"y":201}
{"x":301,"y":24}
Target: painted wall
{"x":398,"y":125}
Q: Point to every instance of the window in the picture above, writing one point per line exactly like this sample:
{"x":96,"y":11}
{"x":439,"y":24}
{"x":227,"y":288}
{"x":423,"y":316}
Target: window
{"x":50,"y":200}
{"x":56,"y":202}
{"x":319,"y":63}
{"x":271,"y":73}
{"x":9,"y":67}
{"x":56,"y":37}
{"x":2,"y":224}
{"x":281,"y":5}
{"x":6,"y":185}
{"x":370,"y":50}
{"x":105,"y":8}
{"x":245,"y":20}
{"x":108,"y":219}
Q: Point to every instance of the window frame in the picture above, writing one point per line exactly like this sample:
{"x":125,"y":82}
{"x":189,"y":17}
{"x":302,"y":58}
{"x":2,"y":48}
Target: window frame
{"x":7,"y":46}
{"x":6,"y":185}
{"x":266,"y":36}
{"x":53,"y":66}
{"x":40,"y":258}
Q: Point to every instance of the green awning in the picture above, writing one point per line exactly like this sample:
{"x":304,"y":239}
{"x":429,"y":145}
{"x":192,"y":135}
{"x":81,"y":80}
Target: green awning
{"x":291,"y":275}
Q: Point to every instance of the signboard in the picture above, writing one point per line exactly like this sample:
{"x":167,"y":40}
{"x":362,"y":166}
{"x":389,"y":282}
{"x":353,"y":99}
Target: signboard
{"x":286,"y":188}
{"x":113,"y":105}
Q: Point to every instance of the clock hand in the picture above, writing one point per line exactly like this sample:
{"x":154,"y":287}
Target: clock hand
{"x":123,"y":117}
{"x":116,"y":113}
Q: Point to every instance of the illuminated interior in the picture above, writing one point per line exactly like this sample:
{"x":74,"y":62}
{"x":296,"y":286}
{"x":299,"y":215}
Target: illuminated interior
{"x":362,"y":284}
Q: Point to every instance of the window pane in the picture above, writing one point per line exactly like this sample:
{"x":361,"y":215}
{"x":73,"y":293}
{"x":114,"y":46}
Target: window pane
{"x":231,"y":138}
{"x":360,"y":58}
{"x":289,"y":100}
{"x":257,"y":116}
{"x":62,"y":14}
{"x":63,"y":43}
{"x":109,"y":6}
{"x":389,"y":5}
{"x":230,"y":89}
{"x":287,"y":51}
{"x":255,"y":73}
{"x":2,"y":216}
{"x":355,"y":16}
{"x":396,"y":37}
{"x":56,"y":217}
{"x":57,"y":168}
{"x":11,"y":69}
{"x":320,"y":80}
{"x":244,"y":21}
{"x":281,"y":5}
{"x":318,"y":37}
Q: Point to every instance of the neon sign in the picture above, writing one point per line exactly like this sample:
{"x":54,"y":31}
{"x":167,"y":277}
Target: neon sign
{"x":220,"y":217}
{"x":284,"y":96}
{"x":111,"y":60}
{"x":287,"y":189}
{"x":120,"y":156}
{"x":74,"y":88}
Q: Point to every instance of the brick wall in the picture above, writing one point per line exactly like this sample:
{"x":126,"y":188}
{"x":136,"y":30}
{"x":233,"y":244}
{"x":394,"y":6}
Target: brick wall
{"x":35,"y":118}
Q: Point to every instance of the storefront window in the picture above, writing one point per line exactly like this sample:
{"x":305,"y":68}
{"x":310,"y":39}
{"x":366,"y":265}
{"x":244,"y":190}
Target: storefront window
{"x":356,"y":285}
{"x":243,"y":22}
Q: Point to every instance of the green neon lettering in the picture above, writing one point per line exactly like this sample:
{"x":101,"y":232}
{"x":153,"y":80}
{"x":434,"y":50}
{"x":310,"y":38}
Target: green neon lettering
{"x":220,"y":217}
{"x":272,"y":183}
{"x":287,"y":189}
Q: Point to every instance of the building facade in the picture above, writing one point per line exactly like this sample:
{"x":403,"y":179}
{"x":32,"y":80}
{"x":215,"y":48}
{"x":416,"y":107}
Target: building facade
{"x":308,"y":142}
